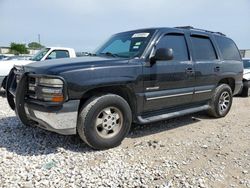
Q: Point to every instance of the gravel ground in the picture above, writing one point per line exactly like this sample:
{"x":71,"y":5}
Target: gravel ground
{"x":191,"y":151}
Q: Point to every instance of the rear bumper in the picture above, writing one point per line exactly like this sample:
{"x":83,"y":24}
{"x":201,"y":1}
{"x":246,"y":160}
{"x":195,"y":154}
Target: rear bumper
{"x":62,"y":121}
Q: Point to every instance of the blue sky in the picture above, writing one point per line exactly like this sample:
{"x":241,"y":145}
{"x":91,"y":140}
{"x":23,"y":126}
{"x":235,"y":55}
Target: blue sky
{"x":85,"y":24}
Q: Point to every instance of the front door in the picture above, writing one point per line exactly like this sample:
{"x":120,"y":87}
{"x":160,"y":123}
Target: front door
{"x":169,"y":84}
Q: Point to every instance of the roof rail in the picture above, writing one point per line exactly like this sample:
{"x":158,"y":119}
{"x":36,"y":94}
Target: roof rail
{"x":192,"y":28}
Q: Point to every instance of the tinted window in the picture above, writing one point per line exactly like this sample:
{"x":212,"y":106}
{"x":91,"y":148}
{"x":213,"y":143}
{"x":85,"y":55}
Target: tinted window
{"x":57,"y":54}
{"x":203,"y":48}
{"x":177,"y":43}
{"x":246,"y":63}
{"x":228,"y":48}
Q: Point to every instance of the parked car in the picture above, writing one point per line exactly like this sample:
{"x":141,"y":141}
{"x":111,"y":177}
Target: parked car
{"x":140,"y":76}
{"x":17,"y":57}
{"x":246,"y":78}
{"x":4,"y":56}
{"x":42,"y":55}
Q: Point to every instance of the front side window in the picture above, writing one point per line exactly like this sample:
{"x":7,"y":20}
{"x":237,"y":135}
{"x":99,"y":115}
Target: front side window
{"x":57,"y":54}
{"x":126,"y":45}
{"x":203,"y":48}
{"x":176,"y":42}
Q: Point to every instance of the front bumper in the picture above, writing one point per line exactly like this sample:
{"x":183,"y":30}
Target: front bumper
{"x":60,"y":118}
{"x":62,"y":121}
{"x":1,"y":80}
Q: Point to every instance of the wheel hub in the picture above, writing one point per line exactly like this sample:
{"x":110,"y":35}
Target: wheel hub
{"x":109,"y":122}
{"x":224,"y":101}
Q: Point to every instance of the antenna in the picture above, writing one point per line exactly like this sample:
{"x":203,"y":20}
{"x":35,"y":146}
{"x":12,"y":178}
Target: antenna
{"x":39,"y":39}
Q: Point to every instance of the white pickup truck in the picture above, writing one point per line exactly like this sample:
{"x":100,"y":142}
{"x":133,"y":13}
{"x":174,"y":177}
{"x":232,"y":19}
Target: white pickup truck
{"x":42,"y":55}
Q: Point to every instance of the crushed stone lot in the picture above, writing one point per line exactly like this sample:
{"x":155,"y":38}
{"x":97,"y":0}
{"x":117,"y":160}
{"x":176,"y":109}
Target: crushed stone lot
{"x":190,"y":151}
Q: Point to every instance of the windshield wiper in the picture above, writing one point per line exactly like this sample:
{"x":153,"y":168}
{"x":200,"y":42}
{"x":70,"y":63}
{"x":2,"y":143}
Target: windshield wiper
{"x":110,"y":54}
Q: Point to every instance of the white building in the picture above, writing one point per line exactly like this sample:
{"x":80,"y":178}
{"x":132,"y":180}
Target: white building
{"x":6,"y":50}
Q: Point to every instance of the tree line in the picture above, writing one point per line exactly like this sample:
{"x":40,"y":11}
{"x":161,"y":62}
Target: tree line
{"x":17,"y":48}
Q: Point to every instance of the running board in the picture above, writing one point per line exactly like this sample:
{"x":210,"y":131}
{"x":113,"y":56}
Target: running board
{"x":172,"y":114}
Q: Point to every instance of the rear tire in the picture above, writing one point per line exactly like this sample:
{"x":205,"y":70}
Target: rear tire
{"x":221,"y":101}
{"x":104,"y":121}
{"x":245,"y":90}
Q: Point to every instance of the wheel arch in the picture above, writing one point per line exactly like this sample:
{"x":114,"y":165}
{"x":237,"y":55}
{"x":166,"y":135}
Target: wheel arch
{"x":121,"y":90}
{"x":229,"y":81}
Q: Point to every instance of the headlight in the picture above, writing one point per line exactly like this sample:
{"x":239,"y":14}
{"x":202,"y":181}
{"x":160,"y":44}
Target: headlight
{"x":46,"y":89}
{"x":50,"y":81}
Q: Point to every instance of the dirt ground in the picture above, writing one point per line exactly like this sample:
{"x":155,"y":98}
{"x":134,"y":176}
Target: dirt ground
{"x":190,"y":151}
{"x":215,"y":150}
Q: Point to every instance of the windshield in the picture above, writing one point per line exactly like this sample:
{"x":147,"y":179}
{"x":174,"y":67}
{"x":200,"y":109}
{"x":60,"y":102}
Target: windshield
{"x":246,"y":63}
{"x":126,"y":45}
{"x":39,"y":55}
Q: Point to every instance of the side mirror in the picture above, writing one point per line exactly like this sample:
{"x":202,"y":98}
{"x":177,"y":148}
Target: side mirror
{"x":48,"y":58}
{"x":163,"y":54}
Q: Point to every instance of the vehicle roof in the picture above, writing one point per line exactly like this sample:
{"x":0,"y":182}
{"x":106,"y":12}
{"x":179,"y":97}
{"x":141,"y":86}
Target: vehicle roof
{"x":59,"y":48}
{"x":179,"y":28}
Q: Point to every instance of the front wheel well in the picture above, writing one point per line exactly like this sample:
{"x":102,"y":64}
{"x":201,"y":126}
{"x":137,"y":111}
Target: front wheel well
{"x":228,"y":81}
{"x":122,"y":91}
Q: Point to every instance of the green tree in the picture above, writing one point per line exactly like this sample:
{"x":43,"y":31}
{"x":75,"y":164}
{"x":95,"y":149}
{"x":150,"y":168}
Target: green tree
{"x":17,"y":48}
{"x":35,"y":45}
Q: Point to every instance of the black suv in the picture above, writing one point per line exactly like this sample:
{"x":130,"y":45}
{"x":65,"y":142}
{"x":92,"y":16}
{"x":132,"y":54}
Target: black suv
{"x":140,"y":76}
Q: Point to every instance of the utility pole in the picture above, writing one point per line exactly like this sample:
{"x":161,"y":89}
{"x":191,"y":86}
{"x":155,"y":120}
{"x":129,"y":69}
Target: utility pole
{"x":39,"y":39}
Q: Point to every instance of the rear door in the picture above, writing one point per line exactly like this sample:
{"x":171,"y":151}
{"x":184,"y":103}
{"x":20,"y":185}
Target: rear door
{"x":206,"y":64}
{"x":169,"y":84}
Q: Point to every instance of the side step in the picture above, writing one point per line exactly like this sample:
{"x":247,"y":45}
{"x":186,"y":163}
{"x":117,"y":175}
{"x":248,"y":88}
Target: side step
{"x":172,"y":114}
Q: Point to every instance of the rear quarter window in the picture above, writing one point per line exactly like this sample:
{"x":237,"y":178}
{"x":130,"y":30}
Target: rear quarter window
{"x":228,"y":48}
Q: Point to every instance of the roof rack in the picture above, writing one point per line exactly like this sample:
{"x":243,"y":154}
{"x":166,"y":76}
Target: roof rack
{"x":192,"y":28}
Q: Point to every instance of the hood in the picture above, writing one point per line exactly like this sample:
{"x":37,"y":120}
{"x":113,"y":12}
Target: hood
{"x":67,"y":64}
{"x":6,"y":66}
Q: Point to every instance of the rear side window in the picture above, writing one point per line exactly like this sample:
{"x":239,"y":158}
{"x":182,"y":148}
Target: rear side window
{"x":203,"y":48}
{"x":178,"y":43}
{"x":57,"y":54}
{"x":228,"y":49}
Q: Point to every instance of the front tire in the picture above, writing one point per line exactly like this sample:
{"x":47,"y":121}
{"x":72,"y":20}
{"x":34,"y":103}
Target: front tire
{"x":104,"y":121}
{"x":221,"y":101}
